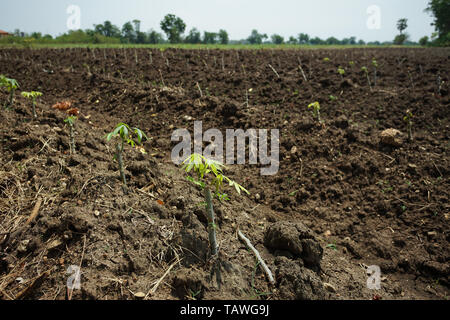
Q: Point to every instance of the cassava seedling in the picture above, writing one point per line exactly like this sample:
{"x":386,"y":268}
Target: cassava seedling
{"x":11,"y":85}
{"x":316,"y":110}
{"x":408,"y":119}
{"x":126,"y":136}
{"x":375,"y":66}
{"x":366,"y":72}
{"x":209,"y":174}
{"x":439,"y":84}
{"x":341,"y":71}
{"x":33,"y":95}
{"x":71,"y":122}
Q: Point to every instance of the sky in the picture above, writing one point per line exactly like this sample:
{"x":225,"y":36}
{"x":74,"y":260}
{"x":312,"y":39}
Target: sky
{"x":369,"y":20}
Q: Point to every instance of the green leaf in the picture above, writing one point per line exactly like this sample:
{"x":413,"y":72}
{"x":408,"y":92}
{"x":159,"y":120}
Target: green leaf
{"x":139,"y":134}
{"x":196,"y":182}
{"x":124,"y":132}
{"x":189,"y":167}
{"x":236,"y":186}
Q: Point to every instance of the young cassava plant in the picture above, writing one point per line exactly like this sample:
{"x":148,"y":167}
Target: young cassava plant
{"x":341,"y":71}
{"x":125,"y":135}
{"x":408,"y":119}
{"x":70,"y":120}
{"x":375,"y":66}
{"x":209,"y":175}
{"x":11,"y":85}
{"x":315,"y":106}
{"x":33,"y":95}
{"x":366,"y":72}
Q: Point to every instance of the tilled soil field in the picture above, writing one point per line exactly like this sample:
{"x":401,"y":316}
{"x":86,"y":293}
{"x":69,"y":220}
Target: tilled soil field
{"x":344,"y":197}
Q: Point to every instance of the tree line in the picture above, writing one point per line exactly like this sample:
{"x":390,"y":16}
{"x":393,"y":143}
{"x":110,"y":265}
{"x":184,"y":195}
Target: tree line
{"x":174,"y":29}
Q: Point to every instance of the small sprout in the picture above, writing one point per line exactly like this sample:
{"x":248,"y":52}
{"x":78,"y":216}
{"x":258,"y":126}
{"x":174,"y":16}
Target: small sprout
{"x":408,"y":119}
{"x":11,"y":85}
{"x":351,"y":63}
{"x":375,"y":65}
{"x":366,"y":71}
{"x":73,"y":114}
{"x":341,"y":71}
{"x":316,"y":110}
{"x":333,"y":98}
{"x":126,"y":136}
{"x":71,"y":122}
{"x":209,"y":173}
{"x":33,"y":95}
{"x":439,"y":84}
{"x":326,"y":59}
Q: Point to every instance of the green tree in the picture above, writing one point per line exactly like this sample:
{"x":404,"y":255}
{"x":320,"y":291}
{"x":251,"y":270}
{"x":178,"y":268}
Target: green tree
{"x":128,"y":34}
{"x":36,"y":35}
{"x":423,"y":41}
{"x":107,"y":29}
{"x":332,"y":41}
{"x":193,"y":37}
{"x":209,"y":37}
{"x":173,"y":27}
{"x":402,"y":24}
{"x":277,"y":39}
{"x":401,"y":39}
{"x":440,"y":9}
{"x":256,"y":37}
{"x":154,"y":37}
{"x":303,"y":38}
{"x":139,"y":36}
{"x":223,"y":37}
{"x":316,"y":41}
{"x":292,"y":40}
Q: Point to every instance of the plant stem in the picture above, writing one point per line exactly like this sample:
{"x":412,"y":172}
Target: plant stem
{"x":375,"y":77}
{"x":200,"y":90}
{"x":34,"y":108}
{"x":410,"y":138}
{"x":246,"y":97}
{"x":72,"y":139}
{"x":11,"y":98}
{"x":119,"y":150}
{"x":258,"y":256}
{"x":317,"y":112}
{"x":368,"y":80}
{"x":211,"y":222}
